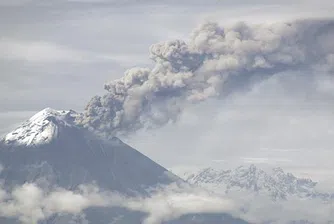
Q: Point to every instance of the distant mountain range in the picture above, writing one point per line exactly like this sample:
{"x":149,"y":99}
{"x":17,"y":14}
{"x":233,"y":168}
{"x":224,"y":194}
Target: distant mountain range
{"x":268,"y":196}
{"x":276,"y":184}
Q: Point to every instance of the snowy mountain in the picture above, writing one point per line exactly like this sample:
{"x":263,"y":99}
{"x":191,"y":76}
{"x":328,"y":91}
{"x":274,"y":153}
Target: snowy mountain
{"x":42,"y":128}
{"x":50,"y":143}
{"x":276,"y":184}
{"x":268,"y":196}
{"x":51,"y":151}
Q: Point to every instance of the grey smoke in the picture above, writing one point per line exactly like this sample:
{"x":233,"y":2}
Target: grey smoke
{"x":215,"y":61}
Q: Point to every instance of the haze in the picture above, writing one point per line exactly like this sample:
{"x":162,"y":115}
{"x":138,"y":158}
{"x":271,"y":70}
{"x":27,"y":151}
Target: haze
{"x":60,"y":53}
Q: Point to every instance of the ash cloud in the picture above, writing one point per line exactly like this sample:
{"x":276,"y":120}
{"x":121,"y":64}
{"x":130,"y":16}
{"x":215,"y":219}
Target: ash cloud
{"x":215,"y":61}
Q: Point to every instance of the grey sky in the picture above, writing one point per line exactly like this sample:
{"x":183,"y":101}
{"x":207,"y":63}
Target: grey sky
{"x":60,"y":53}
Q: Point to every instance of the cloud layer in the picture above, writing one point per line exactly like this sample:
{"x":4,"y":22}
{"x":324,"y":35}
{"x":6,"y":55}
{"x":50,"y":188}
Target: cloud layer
{"x":214,"y":62}
{"x":30,"y":204}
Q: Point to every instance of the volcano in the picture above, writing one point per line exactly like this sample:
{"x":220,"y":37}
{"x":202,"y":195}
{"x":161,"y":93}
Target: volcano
{"x":50,"y":149}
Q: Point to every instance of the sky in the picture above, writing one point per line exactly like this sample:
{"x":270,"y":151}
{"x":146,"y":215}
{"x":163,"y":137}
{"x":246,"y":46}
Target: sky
{"x":60,"y":53}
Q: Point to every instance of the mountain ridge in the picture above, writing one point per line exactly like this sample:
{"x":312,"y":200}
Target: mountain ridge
{"x":277,"y":184}
{"x":41,"y":128}
{"x":68,"y":156}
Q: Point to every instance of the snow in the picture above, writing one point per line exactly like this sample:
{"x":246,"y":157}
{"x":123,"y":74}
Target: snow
{"x":41,"y":128}
{"x":66,"y":155}
{"x":276,"y":184}
{"x":80,"y":157}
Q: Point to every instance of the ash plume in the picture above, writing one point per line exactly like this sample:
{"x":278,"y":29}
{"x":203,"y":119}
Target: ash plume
{"x":215,"y":60}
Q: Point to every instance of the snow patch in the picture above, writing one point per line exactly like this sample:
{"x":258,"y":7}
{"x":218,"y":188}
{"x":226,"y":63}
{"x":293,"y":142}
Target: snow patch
{"x":41,"y":128}
{"x":276,"y":184}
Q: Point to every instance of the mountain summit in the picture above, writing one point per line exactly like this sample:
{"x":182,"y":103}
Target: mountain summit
{"x":71,"y":156}
{"x":42,"y":128}
{"x":275,"y":183}
{"x":49,"y":150}
{"x":52,"y":152}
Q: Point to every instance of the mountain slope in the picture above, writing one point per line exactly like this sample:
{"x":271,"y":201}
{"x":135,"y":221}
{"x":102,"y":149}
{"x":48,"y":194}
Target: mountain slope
{"x":50,"y":145}
{"x":276,"y":184}
{"x":41,"y":128}
{"x":50,"y":150}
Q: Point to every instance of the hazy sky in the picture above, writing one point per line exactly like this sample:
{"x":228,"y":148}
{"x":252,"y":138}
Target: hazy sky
{"x":60,"y":53}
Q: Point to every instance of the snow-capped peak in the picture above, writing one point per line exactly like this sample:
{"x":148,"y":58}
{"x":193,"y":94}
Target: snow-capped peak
{"x":41,"y":128}
{"x":275,"y":183}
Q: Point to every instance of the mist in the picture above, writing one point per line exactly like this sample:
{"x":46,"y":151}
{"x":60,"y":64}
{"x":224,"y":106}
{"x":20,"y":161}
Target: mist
{"x":31,"y":204}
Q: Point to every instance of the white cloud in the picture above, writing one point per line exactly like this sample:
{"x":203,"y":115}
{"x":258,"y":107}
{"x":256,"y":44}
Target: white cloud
{"x":34,"y":51}
{"x":261,"y":209}
{"x":14,"y":2}
{"x":265,"y":160}
{"x":172,"y":202}
{"x":270,"y":11}
{"x":47,"y":52}
{"x":31,"y":204}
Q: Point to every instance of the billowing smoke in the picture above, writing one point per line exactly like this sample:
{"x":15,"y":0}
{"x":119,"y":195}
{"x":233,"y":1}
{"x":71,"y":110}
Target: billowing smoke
{"x":214,"y":61}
